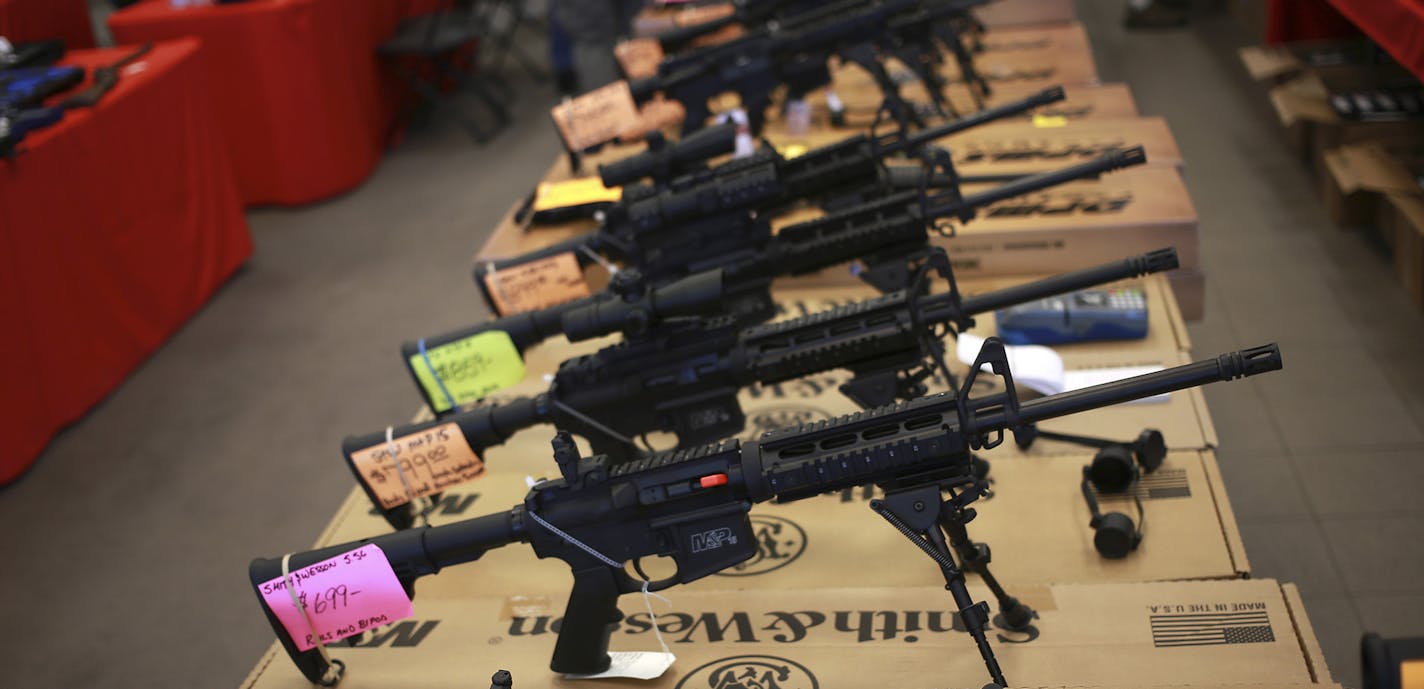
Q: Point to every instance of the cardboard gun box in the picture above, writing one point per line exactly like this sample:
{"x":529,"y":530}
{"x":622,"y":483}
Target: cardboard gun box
{"x":1080,"y":102}
{"x":1070,"y":226}
{"x":1020,"y":147}
{"x":1166,"y":330}
{"x":1199,"y":634}
{"x":1027,"y":69}
{"x":1279,"y":63}
{"x":1402,"y":224}
{"x":1313,"y":126}
{"x":1002,"y":14}
{"x":1066,"y":37}
{"x":1054,"y":54}
{"x":1182,"y":416}
{"x":1358,"y":177}
{"x":1035,"y":521}
{"x":1193,"y":531}
{"x":1166,"y":327}
{"x":1375,"y":185}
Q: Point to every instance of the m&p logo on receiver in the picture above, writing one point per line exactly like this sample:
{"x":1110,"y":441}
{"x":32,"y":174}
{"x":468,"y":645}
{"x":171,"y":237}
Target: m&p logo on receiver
{"x":779,"y":542}
{"x":750,"y":672}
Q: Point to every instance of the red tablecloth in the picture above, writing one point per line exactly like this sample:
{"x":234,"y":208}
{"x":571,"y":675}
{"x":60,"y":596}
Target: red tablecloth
{"x":23,"y":21}
{"x":1396,"y":25}
{"x":116,"y":225}
{"x":295,"y":84}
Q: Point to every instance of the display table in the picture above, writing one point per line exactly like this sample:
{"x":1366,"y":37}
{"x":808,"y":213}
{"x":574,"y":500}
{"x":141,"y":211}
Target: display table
{"x":116,"y":225}
{"x":296,"y":87}
{"x":23,"y":21}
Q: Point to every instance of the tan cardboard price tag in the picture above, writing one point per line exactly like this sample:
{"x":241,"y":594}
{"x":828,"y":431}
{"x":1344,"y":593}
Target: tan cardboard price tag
{"x":639,"y":57}
{"x":432,"y":460}
{"x":537,"y":284}
{"x":595,"y":117}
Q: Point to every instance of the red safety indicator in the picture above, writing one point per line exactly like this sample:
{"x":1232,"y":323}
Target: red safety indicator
{"x":712,"y":480}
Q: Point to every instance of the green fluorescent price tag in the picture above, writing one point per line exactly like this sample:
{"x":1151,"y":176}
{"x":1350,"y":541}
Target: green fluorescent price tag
{"x":470,"y":368}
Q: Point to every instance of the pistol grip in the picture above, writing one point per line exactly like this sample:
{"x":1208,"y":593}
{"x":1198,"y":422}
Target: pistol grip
{"x":590,"y":619}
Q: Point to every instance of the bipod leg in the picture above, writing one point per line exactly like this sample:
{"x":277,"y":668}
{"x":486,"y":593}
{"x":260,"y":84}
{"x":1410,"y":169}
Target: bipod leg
{"x":976,"y":557}
{"x":915,"y":513}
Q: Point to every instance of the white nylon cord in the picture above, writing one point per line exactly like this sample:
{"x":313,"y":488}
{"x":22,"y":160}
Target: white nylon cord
{"x":647,"y":595}
{"x":424,"y":509}
{"x":333,"y":672}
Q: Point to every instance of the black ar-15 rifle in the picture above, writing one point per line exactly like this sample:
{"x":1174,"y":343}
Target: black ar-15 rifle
{"x":909,"y":37}
{"x":693,"y":505}
{"x":885,"y":236}
{"x":662,"y":163}
{"x":684,"y":377}
{"x":794,"y":53}
{"x":915,"y":38}
{"x":704,"y":220}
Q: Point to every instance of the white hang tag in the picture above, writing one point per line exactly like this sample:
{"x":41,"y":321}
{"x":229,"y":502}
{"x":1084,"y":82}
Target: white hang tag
{"x":745,"y":144}
{"x":633,"y":665}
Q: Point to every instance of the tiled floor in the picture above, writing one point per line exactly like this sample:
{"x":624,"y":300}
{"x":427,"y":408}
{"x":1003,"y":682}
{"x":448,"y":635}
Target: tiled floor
{"x":1325,"y":464}
{"x":221,"y":445}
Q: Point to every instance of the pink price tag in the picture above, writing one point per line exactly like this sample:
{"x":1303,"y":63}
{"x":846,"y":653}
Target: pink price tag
{"x":343,"y":596}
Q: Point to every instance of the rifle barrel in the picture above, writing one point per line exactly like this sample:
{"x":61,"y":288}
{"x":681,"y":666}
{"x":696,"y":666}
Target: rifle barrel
{"x":1135,"y":266}
{"x":1230,"y":366}
{"x":1049,"y":95}
{"x":1112,"y":160}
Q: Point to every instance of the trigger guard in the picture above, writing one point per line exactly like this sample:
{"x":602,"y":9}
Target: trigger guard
{"x":653,"y":585}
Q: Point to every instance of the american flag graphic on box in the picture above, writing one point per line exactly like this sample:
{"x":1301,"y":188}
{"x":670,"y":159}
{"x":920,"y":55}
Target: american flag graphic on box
{"x":1211,"y":628}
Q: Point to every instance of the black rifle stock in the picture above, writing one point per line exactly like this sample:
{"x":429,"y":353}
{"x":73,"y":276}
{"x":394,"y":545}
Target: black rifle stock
{"x":630,"y":306}
{"x":685,"y":379}
{"x":692,"y":505}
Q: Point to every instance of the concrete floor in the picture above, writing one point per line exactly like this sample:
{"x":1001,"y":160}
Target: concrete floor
{"x":125,"y":548}
{"x":1324,"y":465}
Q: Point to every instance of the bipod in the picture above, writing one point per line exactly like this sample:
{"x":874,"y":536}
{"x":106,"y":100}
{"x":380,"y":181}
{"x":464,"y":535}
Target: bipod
{"x":932,"y":522}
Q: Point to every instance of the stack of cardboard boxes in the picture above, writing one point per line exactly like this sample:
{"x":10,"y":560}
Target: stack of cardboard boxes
{"x":1368,"y":169}
{"x":835,"y":597}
